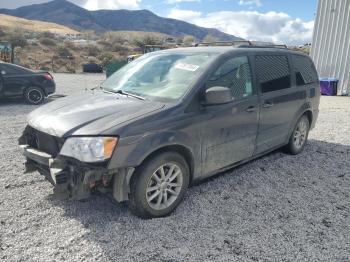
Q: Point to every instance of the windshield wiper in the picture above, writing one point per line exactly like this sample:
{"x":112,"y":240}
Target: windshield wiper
{"x":128,"y":94}
{"x":96,"y":87}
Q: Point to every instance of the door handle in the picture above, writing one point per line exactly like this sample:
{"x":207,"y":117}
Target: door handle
{"x":267,"y":104}
{"x":251,"y":109}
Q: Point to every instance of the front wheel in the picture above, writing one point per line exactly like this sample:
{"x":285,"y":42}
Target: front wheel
{"x":299,"y":136}
{"x":34,"y":95}
{"x":159,"y":185}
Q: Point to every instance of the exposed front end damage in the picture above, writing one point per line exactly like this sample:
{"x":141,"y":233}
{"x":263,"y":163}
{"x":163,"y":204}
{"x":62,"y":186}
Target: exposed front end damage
{"x":70,"y":177}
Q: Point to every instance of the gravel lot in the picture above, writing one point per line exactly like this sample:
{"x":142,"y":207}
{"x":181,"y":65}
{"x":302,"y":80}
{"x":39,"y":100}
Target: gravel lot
{"x":276,"y":208}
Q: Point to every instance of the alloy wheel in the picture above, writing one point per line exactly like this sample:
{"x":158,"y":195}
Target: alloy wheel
{"x":300,"y":134}
{"x":34,"y":96}
{"x":164,"y":186}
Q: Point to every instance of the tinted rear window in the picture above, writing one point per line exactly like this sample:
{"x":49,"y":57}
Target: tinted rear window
{"x":305,"y":72}
{"x":273,"y":72}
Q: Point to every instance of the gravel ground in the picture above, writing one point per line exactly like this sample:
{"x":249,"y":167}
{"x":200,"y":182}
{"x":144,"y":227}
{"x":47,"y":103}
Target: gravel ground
{"x":276,"y":208}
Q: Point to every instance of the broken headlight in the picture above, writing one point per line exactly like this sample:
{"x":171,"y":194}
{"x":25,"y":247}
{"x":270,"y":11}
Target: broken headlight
{"x":89,"y":149}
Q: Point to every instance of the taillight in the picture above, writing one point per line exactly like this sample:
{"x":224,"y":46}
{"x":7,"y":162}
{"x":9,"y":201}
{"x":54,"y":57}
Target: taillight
{"x":48,"y":76}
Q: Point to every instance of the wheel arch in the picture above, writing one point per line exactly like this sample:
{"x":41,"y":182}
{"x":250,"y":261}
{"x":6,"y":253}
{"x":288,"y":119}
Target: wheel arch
{"x":121,"y":184}
{"x":304,"y":110}
{"x":33,"y":86}
{"x":177,"y":148}
{"x":309,"y":115}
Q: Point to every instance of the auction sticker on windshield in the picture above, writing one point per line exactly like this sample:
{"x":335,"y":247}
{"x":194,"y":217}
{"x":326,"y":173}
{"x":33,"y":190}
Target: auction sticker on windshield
{"x":188,"y":67}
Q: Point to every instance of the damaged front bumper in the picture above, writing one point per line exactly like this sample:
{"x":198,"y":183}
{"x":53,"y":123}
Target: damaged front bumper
{"x":74,"y":179}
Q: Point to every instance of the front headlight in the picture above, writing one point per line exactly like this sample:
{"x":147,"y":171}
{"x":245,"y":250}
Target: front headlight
{"x":89,"y":149}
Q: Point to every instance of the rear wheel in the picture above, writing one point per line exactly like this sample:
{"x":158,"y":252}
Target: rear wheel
{"x":159,"y":185}
{"x":299,"y":136}
{"x":34,"y":95}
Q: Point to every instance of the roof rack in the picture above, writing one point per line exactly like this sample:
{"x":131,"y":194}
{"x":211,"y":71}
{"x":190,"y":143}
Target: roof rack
{"x":243,"y":43}
{"x":224,"y":43}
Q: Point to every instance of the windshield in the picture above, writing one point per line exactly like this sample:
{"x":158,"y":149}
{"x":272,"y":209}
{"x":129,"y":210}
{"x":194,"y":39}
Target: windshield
{"x":159,"y":76}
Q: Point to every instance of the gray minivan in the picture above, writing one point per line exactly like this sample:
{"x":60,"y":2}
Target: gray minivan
{"x":173,"y":117}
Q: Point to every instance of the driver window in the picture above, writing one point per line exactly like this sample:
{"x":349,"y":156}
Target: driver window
{"x":234,"y":74}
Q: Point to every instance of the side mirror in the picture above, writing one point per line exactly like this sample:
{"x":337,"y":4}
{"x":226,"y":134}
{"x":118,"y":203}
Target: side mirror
{"x":3,"y":72}
{"x":218,"y":95}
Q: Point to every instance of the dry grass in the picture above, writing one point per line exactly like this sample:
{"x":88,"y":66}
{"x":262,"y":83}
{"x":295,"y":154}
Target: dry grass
{"x":34,"y":25}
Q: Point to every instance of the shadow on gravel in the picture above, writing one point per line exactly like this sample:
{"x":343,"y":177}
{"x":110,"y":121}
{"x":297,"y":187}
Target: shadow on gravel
{"x":278,"y":202}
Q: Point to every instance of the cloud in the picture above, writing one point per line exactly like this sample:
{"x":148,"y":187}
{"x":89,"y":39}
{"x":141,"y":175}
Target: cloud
{"x":186,"y":15}
{"x":111,"y":4}
{"x":250,"y":2}
{"x":252,"y":25}
{"x":180,"y":1}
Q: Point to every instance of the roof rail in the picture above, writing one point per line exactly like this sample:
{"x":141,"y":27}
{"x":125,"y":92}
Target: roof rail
{"x":267,"y":45}
{"x":224,"y":43}
{"x":243,"y":43}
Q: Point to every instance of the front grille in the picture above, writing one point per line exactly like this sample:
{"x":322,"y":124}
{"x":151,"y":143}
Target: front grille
{"x":43,"y":142}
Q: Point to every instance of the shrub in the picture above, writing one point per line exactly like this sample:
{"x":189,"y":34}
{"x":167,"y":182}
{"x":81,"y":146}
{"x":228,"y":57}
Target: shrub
{"x":106,"y":58}
{"x":47,"y":41}
{"x":92,"y":50}
{"x":121,"y":49}
{"x":44,"y":68}
{"x":71,"y":45}
{"x":63,"y":51}
{"x":47,"y":34}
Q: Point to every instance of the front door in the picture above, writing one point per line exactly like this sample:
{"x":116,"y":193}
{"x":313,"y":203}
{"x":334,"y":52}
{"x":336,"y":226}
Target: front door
{"x":229,"y":131}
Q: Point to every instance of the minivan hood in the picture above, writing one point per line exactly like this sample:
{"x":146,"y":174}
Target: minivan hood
{"x":90,"y":113}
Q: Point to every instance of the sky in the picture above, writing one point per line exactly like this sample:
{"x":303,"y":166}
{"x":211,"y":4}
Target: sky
{"x":279,"y":21}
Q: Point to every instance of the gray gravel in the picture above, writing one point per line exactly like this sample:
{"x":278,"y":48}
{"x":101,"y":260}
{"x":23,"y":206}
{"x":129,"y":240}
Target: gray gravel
{"x":276,"y":208}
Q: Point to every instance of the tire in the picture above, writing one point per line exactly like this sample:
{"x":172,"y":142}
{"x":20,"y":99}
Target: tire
{"x":298,"y":138}
{"x":34,"y":95}
{"x":163,"y":195}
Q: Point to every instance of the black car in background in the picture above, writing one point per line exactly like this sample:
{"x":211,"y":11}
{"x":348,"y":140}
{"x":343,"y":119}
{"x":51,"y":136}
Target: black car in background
{"x":92,"y":68}
{"x":20,"y":82}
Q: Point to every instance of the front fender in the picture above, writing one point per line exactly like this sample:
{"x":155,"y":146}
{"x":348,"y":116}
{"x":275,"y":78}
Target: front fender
{"x":131,"y":152}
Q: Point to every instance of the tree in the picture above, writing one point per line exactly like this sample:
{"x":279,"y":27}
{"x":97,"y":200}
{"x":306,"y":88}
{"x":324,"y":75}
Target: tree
{"x":147,"y":40}
{"x":209,"y":39}
{"x":188,"y":40}
{"x":180,"y":40}
{"x":2,"y":33}
{"x":17,"y":38}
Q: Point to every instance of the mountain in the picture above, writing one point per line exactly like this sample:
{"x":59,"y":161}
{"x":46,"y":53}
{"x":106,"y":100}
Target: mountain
{"x":7,"y":21}
{"x":66,"y":13}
